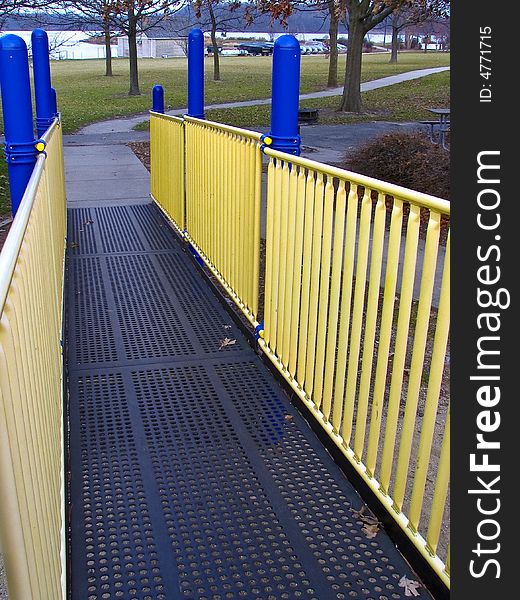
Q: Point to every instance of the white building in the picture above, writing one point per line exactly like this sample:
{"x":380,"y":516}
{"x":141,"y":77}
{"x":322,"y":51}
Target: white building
{"x":69,"y":44}
{"x":154,"y":43}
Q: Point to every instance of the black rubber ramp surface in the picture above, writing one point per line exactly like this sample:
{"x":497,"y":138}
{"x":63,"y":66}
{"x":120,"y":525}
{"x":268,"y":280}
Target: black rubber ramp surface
{"x":191,"y":475}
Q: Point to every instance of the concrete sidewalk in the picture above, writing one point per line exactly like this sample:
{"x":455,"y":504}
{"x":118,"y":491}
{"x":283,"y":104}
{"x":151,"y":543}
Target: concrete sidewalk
{"x":100,"y":174}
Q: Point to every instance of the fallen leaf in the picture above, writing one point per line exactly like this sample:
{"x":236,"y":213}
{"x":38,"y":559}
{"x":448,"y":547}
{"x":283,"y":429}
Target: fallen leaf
{"x":226,"y":342}
{"x":370,"y":530}
{"x":289,"y":418}
{"x":410,"y":586}
{"x":371,"y":525}
{"x":74,"y":245}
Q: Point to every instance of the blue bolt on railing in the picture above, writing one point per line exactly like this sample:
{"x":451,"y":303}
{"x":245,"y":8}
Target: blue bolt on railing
{"x":196,"y":74}
{"x":285,"y":95}
{"x":42,"y":81}
{"x":19,"y":149}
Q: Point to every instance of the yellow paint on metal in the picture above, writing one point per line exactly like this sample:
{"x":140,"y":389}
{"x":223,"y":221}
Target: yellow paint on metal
{"x":167,"y":166}
{"x":385,"y":335}
{"x":312,"y":327}
{"x":322,"y":308}
{"x":345,"y":309}
{"x":432,"y":395}
{"x":363,"y":241}
{"x":306,"y":276}
{"x":335,"y":292}
{"x":340,"y":314}
{"x":339,"y":307}
{"x":376,"y":261}
{"x":31,"y":402}
{"x":416,"y":366}
{"x":401,"y":342}
{"x":223,"y":200}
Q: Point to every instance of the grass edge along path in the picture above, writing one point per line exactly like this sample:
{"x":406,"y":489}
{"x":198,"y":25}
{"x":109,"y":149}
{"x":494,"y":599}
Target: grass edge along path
{"x":406,"y":101}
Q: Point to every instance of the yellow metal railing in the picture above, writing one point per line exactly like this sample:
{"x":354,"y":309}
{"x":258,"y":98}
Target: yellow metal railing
{"x":223,"y":194}
{"x":356,"y":306}
{"x":344,"y":262}
{"x":31,"y":400}
{"x":167,"y":166}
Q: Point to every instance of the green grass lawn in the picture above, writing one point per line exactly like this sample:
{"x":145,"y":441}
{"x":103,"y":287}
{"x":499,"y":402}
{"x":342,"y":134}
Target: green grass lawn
{"x":407,"y":101}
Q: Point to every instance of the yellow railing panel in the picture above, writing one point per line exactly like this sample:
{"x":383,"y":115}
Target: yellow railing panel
{"x":356,"y":336}
{"x":223,"y":196}
{"x":31,"y":385}
{"x":167,"y":166}
{"x":348,"y":307}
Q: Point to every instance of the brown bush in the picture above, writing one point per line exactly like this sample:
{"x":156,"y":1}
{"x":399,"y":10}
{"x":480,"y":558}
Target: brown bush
{"x":407,"y":159}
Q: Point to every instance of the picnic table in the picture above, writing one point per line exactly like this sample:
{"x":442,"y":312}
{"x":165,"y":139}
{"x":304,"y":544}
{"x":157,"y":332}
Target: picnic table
{"x":439,"y":127}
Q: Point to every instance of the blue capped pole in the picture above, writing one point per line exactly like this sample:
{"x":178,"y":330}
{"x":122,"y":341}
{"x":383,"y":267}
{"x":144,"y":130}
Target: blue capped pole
{"x":285,"y":95}
{"x":19,"y":149}
{"x":196,"y":74}
{"x":158,"y":99}
{"x":42,"y":81}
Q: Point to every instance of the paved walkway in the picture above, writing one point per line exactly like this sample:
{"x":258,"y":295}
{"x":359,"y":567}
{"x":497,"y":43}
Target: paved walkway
{"x":192,"y":475}
{"x":126,"y":124}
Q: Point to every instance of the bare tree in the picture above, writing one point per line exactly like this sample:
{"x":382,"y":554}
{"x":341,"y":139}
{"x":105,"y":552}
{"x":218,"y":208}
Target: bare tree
{"x":132,"y":17}
{"x":86,"y":14}
{"x":418,"y":12}
{"x":333,"y":10}
{"x":220,"y":15}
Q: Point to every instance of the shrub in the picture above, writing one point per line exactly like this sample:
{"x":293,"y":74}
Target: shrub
{"x":407,"y":159}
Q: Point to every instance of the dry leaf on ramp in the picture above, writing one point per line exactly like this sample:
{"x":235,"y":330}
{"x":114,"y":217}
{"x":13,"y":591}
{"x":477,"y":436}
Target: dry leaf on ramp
{"x":410,"y":586}
{"x":226,"y":342}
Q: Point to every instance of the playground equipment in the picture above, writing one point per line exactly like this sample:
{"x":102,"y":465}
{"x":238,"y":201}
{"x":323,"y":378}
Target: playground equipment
{"x":334,"y":314}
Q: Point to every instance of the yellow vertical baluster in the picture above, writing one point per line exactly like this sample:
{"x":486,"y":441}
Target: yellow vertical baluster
{"x":345,"y":310}
{"x":385,"y":333}
{"x":432,"y":395}
{"x":357,"y":315}
{"x":419,"y":346}
{"x":370,"y":323}
{"x":310,"y":189}
{"x":297,"y":271}
{"x":335,"y":287}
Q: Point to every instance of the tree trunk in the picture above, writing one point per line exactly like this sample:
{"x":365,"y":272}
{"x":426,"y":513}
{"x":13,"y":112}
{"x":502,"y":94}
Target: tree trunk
{"x":332,"y":80}
{"x":108,"y":50}
{"x":132,"y":54}
{"x":395,"y":44}
{"x":351,"y":99}
{"x":216,"y":57}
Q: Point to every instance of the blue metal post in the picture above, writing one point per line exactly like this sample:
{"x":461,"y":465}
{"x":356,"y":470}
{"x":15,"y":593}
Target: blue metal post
{"x":19,"y":149}
{"x":196,"y":74}
{"x":285,"y":95}
{"x":42,"y":81}
{"x":158,"y":99}
{"x":54,"y":100}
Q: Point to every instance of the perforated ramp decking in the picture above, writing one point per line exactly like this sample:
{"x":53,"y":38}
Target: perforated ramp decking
{"x":191,"y":475}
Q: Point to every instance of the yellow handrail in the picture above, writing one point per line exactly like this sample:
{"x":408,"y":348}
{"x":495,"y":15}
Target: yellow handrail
{"x":350,"y":322}
{"x":32,"y":534}
{"x":356,"y":306}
